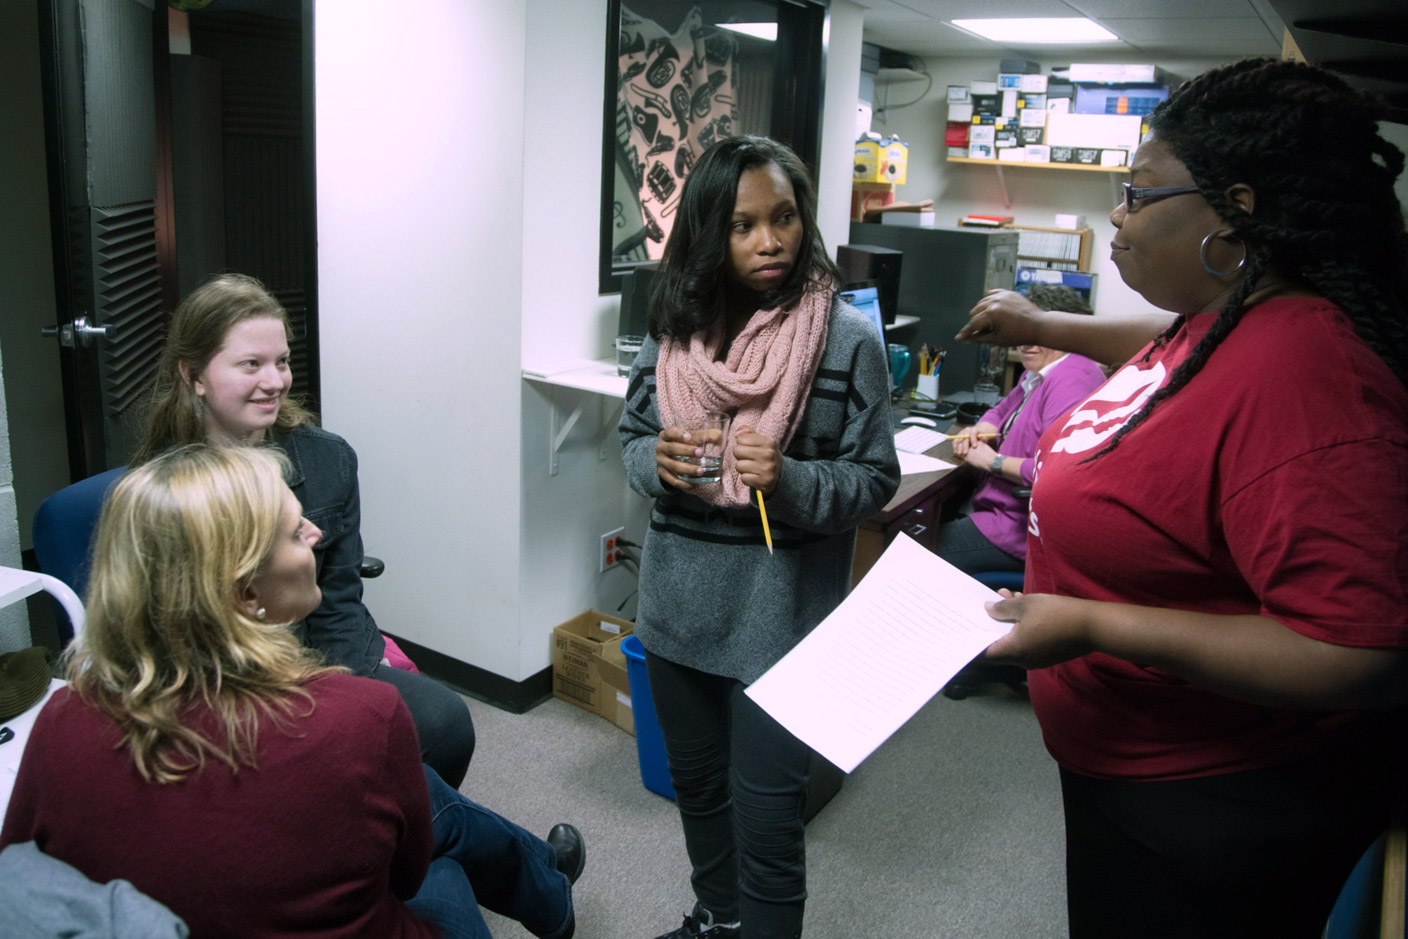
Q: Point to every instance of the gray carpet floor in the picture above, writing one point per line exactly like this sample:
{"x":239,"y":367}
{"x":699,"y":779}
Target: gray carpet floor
{"x":951,"y":829}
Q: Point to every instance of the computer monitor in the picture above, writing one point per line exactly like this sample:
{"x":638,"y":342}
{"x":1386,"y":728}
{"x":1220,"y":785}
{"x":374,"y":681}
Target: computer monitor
{"x":866,"y":298}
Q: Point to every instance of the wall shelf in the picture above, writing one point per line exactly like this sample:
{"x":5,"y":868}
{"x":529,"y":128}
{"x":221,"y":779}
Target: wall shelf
{"x":1078,"y":167}
{"x":1111,"y":171}
{"x":588,"y":377}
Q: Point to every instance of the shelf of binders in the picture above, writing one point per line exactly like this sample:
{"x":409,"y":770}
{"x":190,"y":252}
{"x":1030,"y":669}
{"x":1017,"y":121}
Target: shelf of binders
{"x":1054,"y":245}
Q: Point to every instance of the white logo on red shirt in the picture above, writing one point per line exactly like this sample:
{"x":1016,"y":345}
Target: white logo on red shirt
{"x":1100,"y":416}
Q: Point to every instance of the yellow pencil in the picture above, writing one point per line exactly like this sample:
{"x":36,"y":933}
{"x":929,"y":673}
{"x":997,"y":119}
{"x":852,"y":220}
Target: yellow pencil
{"x":956,"y":436}
{"x":763,"y":511}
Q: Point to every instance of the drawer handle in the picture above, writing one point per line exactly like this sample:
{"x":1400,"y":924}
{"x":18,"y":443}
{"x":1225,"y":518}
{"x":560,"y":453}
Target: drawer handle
{"x":914,"y":531}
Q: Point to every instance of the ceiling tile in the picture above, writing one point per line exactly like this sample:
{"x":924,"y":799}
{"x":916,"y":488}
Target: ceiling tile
{"x":1191,"y":32}
{"x":1164,"y":9}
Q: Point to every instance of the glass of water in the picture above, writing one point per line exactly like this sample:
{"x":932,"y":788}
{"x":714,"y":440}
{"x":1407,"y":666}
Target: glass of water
{"x":626,"y":349}
{"x":711,"y":436}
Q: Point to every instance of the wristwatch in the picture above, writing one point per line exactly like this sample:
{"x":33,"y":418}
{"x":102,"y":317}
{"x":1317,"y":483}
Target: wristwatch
{"x":996,"y":466}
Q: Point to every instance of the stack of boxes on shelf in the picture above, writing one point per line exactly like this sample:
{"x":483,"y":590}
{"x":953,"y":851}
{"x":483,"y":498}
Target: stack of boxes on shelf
{"x":881,"y":164}
{"x":1085,"y":114}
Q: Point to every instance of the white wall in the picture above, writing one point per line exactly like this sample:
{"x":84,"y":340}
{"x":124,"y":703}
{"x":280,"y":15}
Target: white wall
{"x":14,"y":619}
{"x":420,"y":229}
{"x":838,"y":129}
{"x":1037,"y":194}
{"x":458,"y":200}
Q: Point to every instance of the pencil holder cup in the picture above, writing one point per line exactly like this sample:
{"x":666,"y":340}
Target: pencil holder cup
{"x":927,"y":388}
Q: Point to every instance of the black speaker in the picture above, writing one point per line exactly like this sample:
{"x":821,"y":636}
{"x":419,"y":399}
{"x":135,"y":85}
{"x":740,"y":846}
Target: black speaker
{"x":635,"y":299}
{"x":872,"y":262}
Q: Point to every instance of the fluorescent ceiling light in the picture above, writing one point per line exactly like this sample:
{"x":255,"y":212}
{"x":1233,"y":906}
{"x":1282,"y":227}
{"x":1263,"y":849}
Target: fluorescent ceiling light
{"x":1041,"y":29}
{"x":766,"y":31}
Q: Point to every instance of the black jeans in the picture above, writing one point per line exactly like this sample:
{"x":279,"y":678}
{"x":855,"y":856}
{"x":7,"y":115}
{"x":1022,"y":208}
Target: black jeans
{"x":1260,"y":853}
{"x":740,"y":783}
{"x":443,"y":723}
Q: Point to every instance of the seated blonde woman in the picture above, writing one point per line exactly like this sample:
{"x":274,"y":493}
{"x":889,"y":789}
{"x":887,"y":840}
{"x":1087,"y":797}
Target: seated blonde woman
{"x":206,"y":756}
{"x":225,"y":377}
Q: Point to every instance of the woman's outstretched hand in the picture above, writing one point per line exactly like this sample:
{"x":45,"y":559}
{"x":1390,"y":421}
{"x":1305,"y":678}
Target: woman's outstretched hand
{"x":1004,"y":318}
{"x":1047,"y":630}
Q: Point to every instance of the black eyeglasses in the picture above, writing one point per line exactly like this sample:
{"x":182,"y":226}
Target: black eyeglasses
{"x":1133,"y":194}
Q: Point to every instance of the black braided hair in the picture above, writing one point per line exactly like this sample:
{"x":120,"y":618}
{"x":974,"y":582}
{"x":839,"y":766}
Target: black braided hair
{"x":1326,"y":213}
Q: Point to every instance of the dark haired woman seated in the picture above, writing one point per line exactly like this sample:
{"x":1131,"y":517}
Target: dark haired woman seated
{"x":204,"y":755}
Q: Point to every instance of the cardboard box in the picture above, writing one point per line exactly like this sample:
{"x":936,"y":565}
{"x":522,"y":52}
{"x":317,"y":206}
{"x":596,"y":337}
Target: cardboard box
{"x":577,"y":657}
{"x":616,"y":687}
{"x":880,"y":161}
{"x":1089,"y":156}
{"x":867,"y":196}
{"x":1119,"y":99}
{"x":987,"y":105}
{"x":1115,"y":74}
{"x":1020,"y":66}
{"x":1093,"y":130}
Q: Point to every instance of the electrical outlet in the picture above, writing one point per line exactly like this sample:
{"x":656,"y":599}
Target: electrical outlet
{"x":609,"y":553}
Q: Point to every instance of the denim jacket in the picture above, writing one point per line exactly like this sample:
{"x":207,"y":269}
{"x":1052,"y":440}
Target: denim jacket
{"x":324,"y":478}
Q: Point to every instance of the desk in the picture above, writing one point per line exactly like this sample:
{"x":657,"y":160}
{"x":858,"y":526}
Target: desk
{"x":914,"y":510}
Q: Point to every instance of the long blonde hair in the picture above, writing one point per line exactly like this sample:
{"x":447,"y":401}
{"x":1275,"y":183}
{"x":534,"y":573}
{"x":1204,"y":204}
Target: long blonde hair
{"x":180,"y":539}
{"x":175,"y":413}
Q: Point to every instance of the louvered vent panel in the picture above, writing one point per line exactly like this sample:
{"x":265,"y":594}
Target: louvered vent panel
{"x":264,"y":208}
{"x":120,"y":113}
{"x":261,"y":60}
{"x":296,"y":303}
{"x":128,"y":295}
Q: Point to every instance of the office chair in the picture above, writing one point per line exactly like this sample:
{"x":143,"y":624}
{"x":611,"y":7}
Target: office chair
{"x":1372,"y":901}
{"x":63,"y":535}
{"x":982,"y":673}
{"x":63,"y":542}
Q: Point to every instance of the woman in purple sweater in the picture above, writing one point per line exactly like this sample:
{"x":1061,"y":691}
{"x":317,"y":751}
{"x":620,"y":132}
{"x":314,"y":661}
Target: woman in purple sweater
{"x":992,"y":535}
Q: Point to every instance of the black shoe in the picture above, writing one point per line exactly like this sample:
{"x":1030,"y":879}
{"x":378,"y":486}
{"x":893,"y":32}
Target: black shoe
{"x":571,"y":850}
{"x":699,"y":924}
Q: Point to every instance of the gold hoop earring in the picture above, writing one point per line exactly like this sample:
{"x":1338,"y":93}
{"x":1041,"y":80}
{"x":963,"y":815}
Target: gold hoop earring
{"x":1202,"y":256}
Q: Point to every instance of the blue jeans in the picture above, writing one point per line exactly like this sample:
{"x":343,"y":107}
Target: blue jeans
{"x":483,"y":859}
{"x":740,"y":783}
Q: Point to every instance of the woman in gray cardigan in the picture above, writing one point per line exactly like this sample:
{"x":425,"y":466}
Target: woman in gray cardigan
{"x":745,"y":320}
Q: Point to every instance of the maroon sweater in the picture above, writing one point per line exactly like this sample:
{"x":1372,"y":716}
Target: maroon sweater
{"x":326,"y":838}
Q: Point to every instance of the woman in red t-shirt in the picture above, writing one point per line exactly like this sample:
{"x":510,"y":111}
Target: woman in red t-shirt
{"x":1216,"y":615}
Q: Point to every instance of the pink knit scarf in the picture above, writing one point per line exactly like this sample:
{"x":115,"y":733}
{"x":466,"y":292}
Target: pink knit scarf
{"x":763,"y":380}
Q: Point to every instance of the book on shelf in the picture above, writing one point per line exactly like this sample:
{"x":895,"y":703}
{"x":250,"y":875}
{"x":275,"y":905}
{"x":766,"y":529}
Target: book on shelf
{"x":985,"y":221}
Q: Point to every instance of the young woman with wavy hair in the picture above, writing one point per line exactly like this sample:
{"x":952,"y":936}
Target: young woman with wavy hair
{"x":224,"y":377}
{"x":745,"y":320}
{"x":206,"y":756}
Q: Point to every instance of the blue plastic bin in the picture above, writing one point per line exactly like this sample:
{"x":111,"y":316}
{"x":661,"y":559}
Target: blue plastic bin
{"x":650,"y":742}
